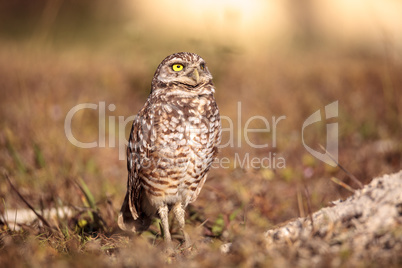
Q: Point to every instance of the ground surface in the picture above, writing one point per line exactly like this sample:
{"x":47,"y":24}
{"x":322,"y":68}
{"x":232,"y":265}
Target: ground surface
{"x":237,"y":204}
{"x":52,"y":60}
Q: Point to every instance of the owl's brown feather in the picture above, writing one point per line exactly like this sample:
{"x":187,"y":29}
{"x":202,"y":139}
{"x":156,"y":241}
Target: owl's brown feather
{"x":172,"y":144}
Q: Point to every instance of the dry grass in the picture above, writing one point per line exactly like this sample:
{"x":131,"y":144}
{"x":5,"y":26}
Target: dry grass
{"x":39,"y":84}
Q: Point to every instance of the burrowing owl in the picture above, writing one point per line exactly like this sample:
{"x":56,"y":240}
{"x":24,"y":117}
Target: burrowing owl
{"x":172,"y":144}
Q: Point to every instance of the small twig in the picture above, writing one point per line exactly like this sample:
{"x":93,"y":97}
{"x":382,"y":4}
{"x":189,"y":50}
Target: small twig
{"x":44,"y":221}
{"x":203,"y":223}
{"x":350,"y":175}
{"x":300,"y":203}
{"x":310,"y":214}
{"x":341,"y":183}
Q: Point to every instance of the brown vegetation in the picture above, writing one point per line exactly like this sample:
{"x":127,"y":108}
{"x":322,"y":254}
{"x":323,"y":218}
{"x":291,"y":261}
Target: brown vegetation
{"x":41,"y":79}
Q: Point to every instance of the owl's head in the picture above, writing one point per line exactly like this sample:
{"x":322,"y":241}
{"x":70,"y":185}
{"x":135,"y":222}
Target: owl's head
{"x":188,"y":70}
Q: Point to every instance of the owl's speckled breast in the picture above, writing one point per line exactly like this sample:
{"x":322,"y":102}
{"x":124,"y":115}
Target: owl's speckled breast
{"x":184,"y":146}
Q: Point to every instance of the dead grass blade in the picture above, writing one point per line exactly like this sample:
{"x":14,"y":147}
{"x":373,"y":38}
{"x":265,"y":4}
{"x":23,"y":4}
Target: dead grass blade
{"x":300,"y":203}
{"x":350,"y":175}
{"x":342,"y":184}
{"x":40,"y":217}
{"x":310,"y":212}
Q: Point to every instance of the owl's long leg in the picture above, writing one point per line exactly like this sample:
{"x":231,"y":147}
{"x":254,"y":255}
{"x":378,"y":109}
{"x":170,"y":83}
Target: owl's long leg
{"x":179,"y":213}
{"x":163,"y":214}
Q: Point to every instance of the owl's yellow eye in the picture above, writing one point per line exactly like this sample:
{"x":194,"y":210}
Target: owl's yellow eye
{"x":202,"y":66}
{"x":177,"y":67}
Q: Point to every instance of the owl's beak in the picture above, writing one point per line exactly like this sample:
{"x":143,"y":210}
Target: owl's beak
{"x":196,"y":76}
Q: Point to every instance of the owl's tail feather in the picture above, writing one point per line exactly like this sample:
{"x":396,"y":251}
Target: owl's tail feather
{"x":127,"y":222}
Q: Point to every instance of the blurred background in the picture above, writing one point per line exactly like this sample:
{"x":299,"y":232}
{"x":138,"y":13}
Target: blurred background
{"x":277,"y":58}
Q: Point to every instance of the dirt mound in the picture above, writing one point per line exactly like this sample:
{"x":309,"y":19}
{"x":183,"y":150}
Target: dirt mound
{"x":365,"y":227}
